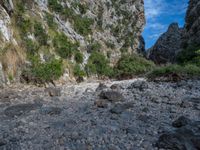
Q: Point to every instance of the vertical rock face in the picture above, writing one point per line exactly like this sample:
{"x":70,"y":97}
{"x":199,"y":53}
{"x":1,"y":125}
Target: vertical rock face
{"x":167,"y":46}
{"x":192,"y":25}
{"x":8,"y":5}
{"x":175,"y":39}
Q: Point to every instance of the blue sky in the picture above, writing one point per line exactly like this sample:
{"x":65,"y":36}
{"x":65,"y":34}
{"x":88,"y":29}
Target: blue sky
{"x":159,"y":15}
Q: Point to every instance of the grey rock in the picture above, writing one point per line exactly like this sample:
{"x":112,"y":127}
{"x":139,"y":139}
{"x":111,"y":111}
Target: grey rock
{"x":89,"y":90}
{"x":2,"y":142}
{"x":140,"y":85}
{"x":53,"y":91}
{"x":101,"y":87}
{"x":50,"y":111}
{"x":184,"y":138}
{"x":167,"y":46}
{"x":119,"y":108}
{"x":21,"y":109}
{"x":116,"y":87}
{"x":102,"y":103}
{"x":8,"y":5}
{"x":112,"y":96}
{"x":181,"y":121}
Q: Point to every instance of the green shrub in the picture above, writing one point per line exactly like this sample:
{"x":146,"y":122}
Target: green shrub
{"x":94,"y":46}
{"x":128,"y":66}
{"x":24,"y":24}
{"x":110,"y":45}
{"x":50,"y":21}
{"x":98,"y":64}
{"x":78,"y":57}
{"x":41,"y":73}
{"x":68,"y":13}
{"x":78,"y":72}
{"x":82,"y":8}
{"x":55,"y":6}
{"x":189,"y":55}
{"x":48,"y":71}
{"x":64,"y":47}
{"x":40,"y":33}
{"x":189,"y":70}
{"x":31,"y":47}
{"x":82,"y":25}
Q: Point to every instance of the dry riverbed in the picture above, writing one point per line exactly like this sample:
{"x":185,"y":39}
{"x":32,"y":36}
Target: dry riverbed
{"x":121,"y":115}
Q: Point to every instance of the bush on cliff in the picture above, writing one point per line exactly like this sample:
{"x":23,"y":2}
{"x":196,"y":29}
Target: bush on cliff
{"x":190,"y":55}
{"x":41,"y":73}
{"x":98,"y":64}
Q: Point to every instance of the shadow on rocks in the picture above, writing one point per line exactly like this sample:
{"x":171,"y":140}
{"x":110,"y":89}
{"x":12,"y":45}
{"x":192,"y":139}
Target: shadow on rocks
{"x":186,"y":136}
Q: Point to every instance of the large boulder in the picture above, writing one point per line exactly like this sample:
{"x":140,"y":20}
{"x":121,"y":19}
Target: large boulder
{"x":185,"y":137}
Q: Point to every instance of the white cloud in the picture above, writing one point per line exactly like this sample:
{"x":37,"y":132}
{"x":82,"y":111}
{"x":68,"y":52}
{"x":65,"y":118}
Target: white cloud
{"x":153,"y":8}
{"x":154,"y":36}
{"x":156,"y":26}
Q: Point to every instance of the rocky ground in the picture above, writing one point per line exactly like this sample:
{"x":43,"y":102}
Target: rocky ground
{"x":125,"y":115}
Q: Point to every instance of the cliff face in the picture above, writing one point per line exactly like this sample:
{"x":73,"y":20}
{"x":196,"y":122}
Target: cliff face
{"x":167,"y":46}
{"x":173,"y":41}
{"x":112,"y":27}
{"x":192,"y":25}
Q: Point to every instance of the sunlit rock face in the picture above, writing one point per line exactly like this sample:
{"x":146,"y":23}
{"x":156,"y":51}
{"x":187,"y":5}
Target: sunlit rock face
{"x":116,"y":25}
{"x":5,"y":25}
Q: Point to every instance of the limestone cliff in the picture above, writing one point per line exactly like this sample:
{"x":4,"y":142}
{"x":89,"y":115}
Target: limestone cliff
{"x":112,"y":27}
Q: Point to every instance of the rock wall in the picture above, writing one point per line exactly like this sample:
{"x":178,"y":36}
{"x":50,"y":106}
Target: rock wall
{"x":115,"y":25}
{"x":167,"y":46}
{"x":176,"y":39}
{"x":192,"y":25}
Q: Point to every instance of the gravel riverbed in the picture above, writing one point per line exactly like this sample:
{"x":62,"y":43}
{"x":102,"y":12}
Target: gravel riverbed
{"x":121,"y":115}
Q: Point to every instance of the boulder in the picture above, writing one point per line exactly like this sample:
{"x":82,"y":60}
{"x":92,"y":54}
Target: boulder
{"x":53,"y":91}
{"x":102,"y":103}
{"x":21,"y":109}
{"x":140,"y":85}
{"x":185,"y":137}
{"x":112,"y":96}
{"x":101,"y":87}
{"x":119,"y":108}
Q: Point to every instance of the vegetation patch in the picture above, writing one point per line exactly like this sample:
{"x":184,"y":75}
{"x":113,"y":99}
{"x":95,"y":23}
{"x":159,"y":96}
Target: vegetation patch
{"x":190,"y":55}
{"x":82,"y":25}
{"x":98,"y":64}
{"x":40,"y":33}
{"x":40,"y":73}
{"x":78,"y":71}
{"x":55,"y":5}
{"x":174,"y":72}
{"x":64,"y":47}
{"x":78,"y":57}
{"x":129,"y":66}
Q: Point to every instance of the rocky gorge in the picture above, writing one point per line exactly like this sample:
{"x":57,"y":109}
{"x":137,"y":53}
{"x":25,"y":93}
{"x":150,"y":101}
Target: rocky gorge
{"x":73,"y":76}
